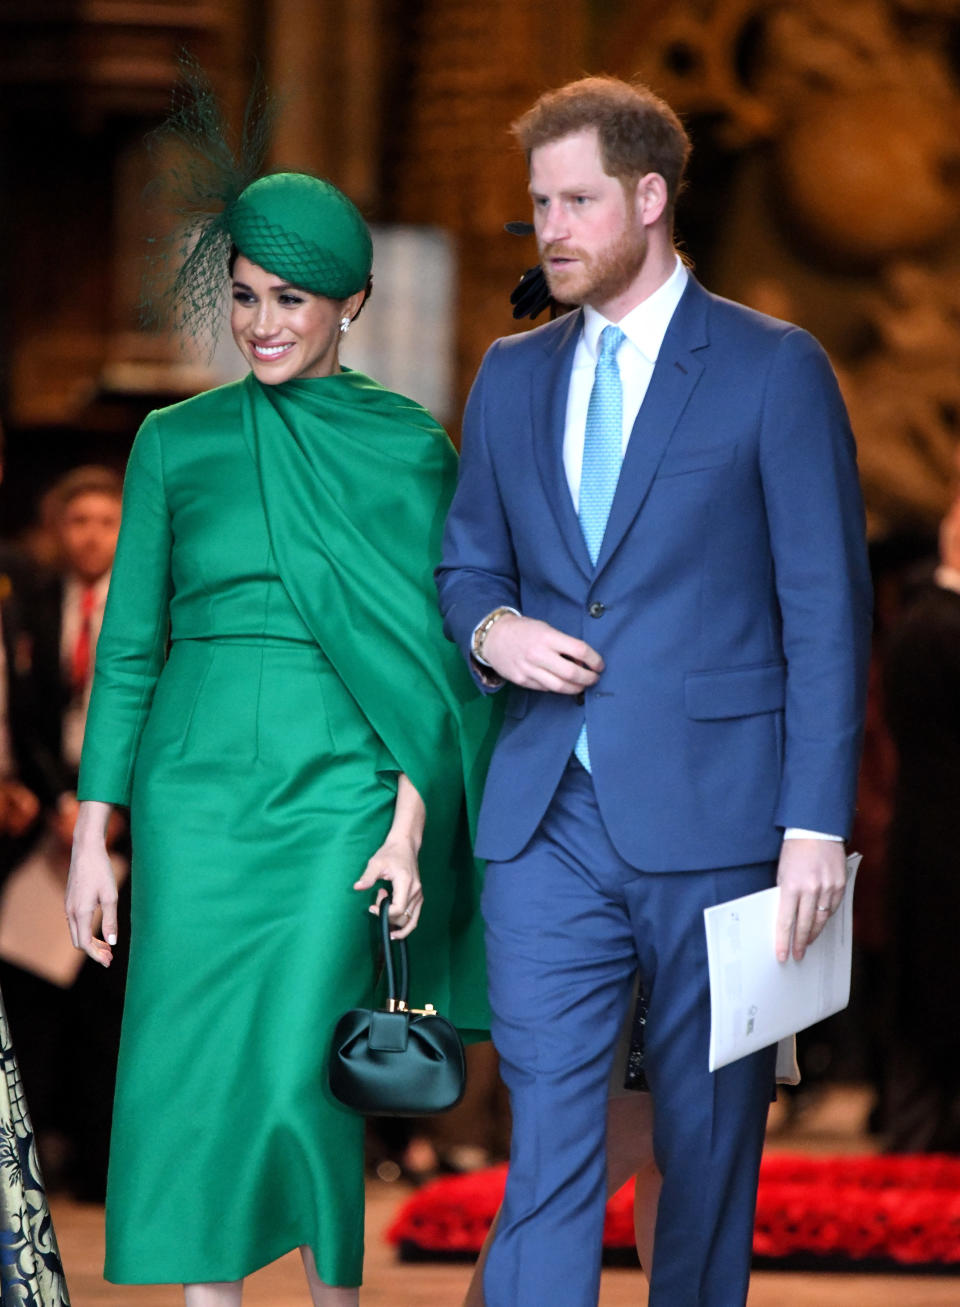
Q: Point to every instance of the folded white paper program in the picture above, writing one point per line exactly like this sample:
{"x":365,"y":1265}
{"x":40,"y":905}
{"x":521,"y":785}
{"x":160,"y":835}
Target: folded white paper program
{"x":756,"y":1000}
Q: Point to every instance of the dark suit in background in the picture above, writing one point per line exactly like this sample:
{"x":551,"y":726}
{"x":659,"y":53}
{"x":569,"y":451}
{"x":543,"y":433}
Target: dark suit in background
{"x":17,"y":584}
{"x":66,"y":1038}
{"x":923,"y":713}
{"x":50,"y":694}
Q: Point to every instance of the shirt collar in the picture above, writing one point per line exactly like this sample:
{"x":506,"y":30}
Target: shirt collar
{"x":646,"y":325}
{"x":74,"y":588}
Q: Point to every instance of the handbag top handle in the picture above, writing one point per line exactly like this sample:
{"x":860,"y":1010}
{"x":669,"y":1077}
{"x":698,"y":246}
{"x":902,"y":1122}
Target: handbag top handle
{"x":396,"y":1001}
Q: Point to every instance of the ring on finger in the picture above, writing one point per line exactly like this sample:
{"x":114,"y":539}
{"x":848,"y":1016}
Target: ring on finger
{"x":823,"y":907}
{"x":406,"y":914}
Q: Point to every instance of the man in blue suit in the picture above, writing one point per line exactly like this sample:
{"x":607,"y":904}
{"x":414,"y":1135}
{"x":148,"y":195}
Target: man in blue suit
{"x":657,"y":543}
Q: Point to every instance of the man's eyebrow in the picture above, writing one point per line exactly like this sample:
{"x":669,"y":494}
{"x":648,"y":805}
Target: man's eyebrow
{"x":582,"y":189}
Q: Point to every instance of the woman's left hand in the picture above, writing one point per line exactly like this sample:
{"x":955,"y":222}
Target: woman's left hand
{"x":396,"y":861}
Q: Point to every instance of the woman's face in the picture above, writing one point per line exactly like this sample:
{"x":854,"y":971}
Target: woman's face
{"x":282,"y":331}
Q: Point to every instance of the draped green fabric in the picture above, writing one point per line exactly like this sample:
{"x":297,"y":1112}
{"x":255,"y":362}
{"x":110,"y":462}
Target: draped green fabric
{"x":360,"y":478}
{"x":363,"y":477}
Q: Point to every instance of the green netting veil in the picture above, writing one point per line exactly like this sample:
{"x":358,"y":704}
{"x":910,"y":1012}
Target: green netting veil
{"x":296,"y":226}
{"x":305,"y":230}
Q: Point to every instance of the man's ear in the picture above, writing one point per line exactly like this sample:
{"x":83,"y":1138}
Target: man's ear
{"x":651,"y":198}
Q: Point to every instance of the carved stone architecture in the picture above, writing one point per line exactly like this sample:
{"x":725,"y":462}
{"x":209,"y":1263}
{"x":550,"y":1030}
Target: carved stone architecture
{"x":825,"y":181}
{"x":833,"y":131}
{"x":472,"y":69}
{"x":80,"y":86}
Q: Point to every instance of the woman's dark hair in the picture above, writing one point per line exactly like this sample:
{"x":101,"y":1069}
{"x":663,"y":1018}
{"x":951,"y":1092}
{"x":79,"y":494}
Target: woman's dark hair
{"x":368,"y":289}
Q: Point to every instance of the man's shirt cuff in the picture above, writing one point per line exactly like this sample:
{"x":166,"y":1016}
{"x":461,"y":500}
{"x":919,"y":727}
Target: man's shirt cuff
{"x":797,"y":833}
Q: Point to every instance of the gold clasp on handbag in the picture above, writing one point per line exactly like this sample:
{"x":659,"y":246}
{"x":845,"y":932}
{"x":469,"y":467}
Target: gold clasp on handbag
{"x":398,"y":1005}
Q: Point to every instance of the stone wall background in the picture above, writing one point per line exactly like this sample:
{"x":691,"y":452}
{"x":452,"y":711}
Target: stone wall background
{"x":824,"y":188}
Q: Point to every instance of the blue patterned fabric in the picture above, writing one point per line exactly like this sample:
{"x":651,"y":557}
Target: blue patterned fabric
{"x":602,"y":456}
{"x":31,"y":1273}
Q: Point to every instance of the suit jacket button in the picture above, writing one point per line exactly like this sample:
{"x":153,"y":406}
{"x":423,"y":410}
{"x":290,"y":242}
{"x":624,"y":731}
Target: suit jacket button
{"x":597,"y":609}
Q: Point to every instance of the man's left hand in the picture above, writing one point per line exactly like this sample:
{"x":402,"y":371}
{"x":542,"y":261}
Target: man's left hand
{"x":812,"y":876}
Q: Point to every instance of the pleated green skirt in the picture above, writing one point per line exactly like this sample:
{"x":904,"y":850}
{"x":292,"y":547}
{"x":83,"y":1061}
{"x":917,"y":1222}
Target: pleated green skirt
{"x":257,"y":801}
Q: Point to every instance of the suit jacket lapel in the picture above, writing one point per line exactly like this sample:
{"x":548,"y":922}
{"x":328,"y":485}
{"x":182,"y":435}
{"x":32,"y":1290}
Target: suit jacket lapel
{"x":675,"y":375}
{"x":550,"y":382}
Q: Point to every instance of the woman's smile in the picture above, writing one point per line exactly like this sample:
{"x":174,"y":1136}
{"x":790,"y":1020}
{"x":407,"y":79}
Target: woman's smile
{"x":270,"y":353}
{"x":283,"y":331}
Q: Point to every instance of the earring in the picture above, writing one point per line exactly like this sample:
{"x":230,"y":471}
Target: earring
{"x":344,"y":325}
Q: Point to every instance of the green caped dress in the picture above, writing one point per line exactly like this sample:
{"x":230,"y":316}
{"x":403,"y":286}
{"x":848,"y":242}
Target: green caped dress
{"x":271,"y":657}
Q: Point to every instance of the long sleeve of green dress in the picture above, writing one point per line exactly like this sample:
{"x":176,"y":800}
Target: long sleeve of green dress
{"x":133,"y":642}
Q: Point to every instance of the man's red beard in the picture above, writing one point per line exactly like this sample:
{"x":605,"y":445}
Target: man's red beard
{"x":595,"y":278}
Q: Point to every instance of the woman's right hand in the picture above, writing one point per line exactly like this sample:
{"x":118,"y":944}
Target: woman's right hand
{"x":91,"y":885}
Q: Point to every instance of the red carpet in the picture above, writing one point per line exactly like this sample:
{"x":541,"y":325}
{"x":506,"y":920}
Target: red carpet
{"x":847,"y":1213}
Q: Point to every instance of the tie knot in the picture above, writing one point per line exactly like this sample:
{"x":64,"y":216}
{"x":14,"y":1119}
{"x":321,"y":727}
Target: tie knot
{"x":611,"y":339}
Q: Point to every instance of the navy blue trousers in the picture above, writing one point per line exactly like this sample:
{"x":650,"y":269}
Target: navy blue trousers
{"x":568,"y":924}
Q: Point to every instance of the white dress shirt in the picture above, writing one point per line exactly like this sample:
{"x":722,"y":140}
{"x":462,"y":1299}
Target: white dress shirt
{"x":644,"y":328}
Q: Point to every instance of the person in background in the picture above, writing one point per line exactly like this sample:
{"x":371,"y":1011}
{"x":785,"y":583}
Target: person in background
{"x":922,"y":700}
{"x":64,"y":1014}
{"x":19,"y":804}
{"x":31,"y":1272}
{"x":66,"y":625}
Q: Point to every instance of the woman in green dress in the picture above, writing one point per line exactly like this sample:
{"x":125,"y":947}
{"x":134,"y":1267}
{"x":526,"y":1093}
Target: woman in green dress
{"x":276,"y":703}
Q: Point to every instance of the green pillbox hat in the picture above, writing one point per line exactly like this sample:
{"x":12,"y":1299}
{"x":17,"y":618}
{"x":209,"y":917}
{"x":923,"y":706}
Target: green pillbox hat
{"x":305,"y":230}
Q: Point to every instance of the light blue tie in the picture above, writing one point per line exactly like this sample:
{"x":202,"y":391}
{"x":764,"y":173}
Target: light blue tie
{"x":602,"y":456}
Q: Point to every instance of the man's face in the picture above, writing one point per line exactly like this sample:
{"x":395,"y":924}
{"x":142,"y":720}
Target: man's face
{"x":592,"y":241}
{"x":88,"y":530}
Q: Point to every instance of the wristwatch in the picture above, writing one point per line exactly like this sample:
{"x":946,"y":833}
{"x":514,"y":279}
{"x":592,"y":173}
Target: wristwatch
{"x":483,"y":630}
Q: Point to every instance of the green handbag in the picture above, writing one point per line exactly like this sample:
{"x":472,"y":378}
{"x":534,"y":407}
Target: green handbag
{"x":397,"y":1060}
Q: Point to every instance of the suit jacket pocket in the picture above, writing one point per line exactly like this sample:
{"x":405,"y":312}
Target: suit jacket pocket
{"x":737,"y":692}
{"x":695,"y":460}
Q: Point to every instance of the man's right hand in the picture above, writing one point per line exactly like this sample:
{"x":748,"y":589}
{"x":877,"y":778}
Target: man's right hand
{"x":537,"y":656}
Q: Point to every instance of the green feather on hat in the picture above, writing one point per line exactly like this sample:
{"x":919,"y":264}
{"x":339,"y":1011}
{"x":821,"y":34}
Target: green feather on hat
{"x":291,"y":224}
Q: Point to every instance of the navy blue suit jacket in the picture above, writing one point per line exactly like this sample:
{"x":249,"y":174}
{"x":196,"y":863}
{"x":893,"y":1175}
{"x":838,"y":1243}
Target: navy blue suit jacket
{"x":730,"y":601}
